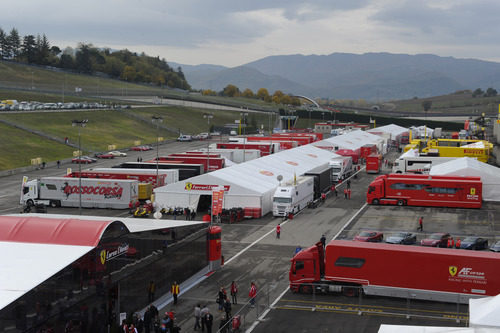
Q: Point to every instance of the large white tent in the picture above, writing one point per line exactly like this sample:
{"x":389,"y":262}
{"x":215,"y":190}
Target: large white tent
{"x":391,"y":132}
{"x":469,"y":167}
{"x":483,"y":312}
{"x":353,"y":140}
{"x":247,"y":185}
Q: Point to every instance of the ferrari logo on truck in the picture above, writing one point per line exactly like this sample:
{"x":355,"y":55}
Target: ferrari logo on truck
{"x":103,"y":257}
{"x":472,"y":191}
{"x":189,"y":186}
{"x":453,"y":270}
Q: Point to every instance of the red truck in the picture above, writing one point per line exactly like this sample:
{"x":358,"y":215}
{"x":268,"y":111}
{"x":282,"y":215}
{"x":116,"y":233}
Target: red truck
{"x":301,"y":140}
{"x":373,"y":163}
{"x":425,"y":190}
{"x":349,"y":152}
{"x":137,"y":175}
{"x":284,"y":143}
{"x":265,"y":148}
{"x":445,"y":275}
{"x":215,"y":163}
{"x":367,"y":150}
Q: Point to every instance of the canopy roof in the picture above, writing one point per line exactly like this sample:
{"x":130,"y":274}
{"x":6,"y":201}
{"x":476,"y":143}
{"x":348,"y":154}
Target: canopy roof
{"x":351,"y":140}
{"x":483,"y":312}
{"x":37,"y":246}
{"x":260,"y":175}
{"x":392,"y":129}
{"x":468,"y":167}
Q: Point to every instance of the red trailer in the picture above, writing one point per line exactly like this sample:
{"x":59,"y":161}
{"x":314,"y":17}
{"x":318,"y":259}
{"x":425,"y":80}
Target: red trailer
{"x":301,"y":140}
{"x":215,"y":163}
{"x":284,"y":143}
{"x":196,"y":154}
{"x":138,"y":175}
{"x":349,"y":152}
{"x":437,"y":274}
{"x":265,"y":148}
{"x":425,"y":190}
{"x":373,"y":163}
{"x":367,"y":150}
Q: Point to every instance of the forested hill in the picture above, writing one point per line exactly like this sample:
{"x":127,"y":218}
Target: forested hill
{"x":86,"y":58}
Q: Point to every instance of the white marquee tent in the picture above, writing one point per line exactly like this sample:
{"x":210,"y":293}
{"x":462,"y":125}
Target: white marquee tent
{"x":250,"y":184}
{"x":353,"y":140}
{"x":483,"y":312}
{"x":469,"y":167}
{"x":391,"y":132}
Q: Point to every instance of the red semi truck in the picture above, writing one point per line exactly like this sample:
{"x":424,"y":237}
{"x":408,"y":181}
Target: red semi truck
{"x":284,"y":143}
{"x":437,"y":274}
{"x":137,"y":175}
{"x":367,"y":150}
{"x":215,"y":163}
{"x":265,"y":148}
{"x":425,"y":190}
{"x":373,"y":163}
{"x":349,"y":152}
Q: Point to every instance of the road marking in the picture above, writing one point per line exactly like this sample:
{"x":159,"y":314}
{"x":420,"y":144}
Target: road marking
{"x":255,"y":323}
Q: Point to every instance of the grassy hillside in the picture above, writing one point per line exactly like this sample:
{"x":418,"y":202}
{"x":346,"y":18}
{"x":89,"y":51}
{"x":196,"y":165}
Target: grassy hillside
{"x":105,"y":127}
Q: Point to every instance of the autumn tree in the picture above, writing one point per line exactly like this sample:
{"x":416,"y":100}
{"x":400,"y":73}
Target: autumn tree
{"x":248,"y":93}
{"x":231,"y":91}
{"x":208,"y":92}
{"x":262,"y":94}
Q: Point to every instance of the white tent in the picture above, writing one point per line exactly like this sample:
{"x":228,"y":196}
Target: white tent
{"x":384,"y":328}
{"x":353,"y":140}
{"x":483,"y":312}
{"x":248,"y":185}
{"x":469,"y":167}
{"x":391,"y":132}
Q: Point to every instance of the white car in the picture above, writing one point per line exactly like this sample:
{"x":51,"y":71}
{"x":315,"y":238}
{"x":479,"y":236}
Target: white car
{"x":117,"y":153}
{"x":184,"y":138}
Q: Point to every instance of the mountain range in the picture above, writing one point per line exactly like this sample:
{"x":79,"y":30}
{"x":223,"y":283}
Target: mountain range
{"x":371,"y":76}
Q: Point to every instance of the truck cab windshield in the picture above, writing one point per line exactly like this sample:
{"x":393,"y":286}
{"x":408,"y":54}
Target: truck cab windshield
{"x":282,"y":200}
{"x":336,"y":170}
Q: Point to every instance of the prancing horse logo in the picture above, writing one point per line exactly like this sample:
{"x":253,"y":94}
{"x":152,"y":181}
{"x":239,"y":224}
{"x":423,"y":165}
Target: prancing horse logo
{"x":453,"y":270}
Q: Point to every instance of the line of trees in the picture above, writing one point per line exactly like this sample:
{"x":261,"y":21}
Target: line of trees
{"x":278,"y":97}
{"x":87,"y":59}
{"x":490,"y":92}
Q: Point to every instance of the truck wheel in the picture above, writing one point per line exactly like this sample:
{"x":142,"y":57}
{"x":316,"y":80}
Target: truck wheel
{"x":401,"y":202}
{"x":54,"y":204}
{"x":306,"y":289}
{"x":30,"y":203}
{"x":375,"y":202}
{"x":350,"y":291}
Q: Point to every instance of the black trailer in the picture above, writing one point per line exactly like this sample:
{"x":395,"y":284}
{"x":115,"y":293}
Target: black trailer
{"x":322,"y":179}
{"x":185,"y":170}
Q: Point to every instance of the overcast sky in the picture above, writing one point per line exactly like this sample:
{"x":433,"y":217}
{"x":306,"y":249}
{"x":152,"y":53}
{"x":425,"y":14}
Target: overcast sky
{"x":235,"y":32}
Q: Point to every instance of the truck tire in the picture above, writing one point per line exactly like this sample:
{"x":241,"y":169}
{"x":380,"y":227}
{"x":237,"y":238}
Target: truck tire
{"x":350,"y":291}
{"x":375,"y":202}
{"x":30,"y":203}
{"x":305,"y":289}
{"x":54,"y":203}
{"x":401,"y":202}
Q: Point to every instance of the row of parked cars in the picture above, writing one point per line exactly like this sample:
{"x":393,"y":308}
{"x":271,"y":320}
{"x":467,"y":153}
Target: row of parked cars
{"x":87,"y":159}
{"x":439,"y":239}
{"x":31,"y":106}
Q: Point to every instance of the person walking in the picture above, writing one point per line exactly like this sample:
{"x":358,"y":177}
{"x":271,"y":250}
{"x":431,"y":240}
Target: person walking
{"x":58,"y":164}
{"x":234,"y":292}
{"x":348,"y":183}
{"x":323,"y":240}
{"x":278,"y":231}
{"x":221,"y":296}
{"x":457,"y":244}
{"x":209,"y":319}
{"x":223,"y":324}
{"x":227,"y":307}
{"x":175,"y":291}
{"x":197,"y":316}
{"x":345,"y":193}
{"x":151,"y":291}
{"x":252,"y":294}
{"x":421,"y":223}
{"x":203,"y":313}
{"x":349,"y":193}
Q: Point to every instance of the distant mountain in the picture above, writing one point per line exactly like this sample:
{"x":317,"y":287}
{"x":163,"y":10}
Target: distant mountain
{"x":372,"y":76}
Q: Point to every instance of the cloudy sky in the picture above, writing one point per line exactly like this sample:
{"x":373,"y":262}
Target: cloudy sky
{"x":234,"y":32}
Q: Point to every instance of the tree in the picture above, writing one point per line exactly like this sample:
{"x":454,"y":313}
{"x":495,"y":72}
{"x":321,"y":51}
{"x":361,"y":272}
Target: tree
{"x":82,"y":59}
{"x":3,"y":44}
{"x":248,"y":93}
{"x":231,"y":91}
{"x":14,"y":42}
{"x":490,"y":92}
{"x":426,"y":105}
{"x":208,"y":92}
{"x":128,"y":74}
{"x":263,"y":94}
{"x":43,"y":49}
{"x":477,"y":92}
{"x":28,"y":49}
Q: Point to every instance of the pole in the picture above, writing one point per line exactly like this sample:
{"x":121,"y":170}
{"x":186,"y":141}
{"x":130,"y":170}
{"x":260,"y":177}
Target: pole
{"x":157,"y":120}
{"x":79,"y":175}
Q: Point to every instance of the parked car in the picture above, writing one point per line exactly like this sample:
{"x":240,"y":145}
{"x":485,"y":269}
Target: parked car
{"x":141,"y":148}
{"x":105,"y":155}
{"x":402,"y":238}
{"x":369,"y":236}
{"x":495,"y":247}
{"x":439,"y":239}
{"x":83,"y":160}
{"x":184,"y":138}
{"x":204,"y":136}
{"x":117,"y":153}
{"x":474,"y":243}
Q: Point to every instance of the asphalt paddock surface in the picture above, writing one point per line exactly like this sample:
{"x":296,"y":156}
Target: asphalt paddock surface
{"x":253,"y":253}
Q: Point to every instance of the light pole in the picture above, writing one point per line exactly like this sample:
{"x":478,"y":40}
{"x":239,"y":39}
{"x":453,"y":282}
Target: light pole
{"x":79,"y":124}
{"x":32,"y":87}
{"x":157,"y":120}
{"x":244,"y":114}
{"x":208,"y":116}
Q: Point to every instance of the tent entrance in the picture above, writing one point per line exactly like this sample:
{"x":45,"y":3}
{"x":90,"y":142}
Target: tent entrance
{"x":204,"y":203}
